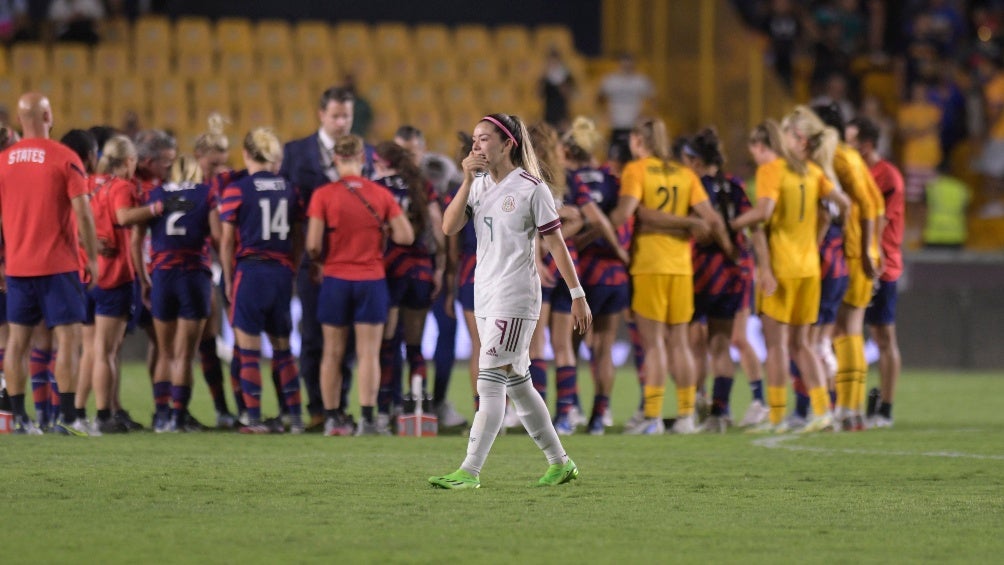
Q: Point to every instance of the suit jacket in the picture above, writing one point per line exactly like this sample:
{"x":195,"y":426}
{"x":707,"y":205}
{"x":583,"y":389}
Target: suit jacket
{"x":303,"y":166}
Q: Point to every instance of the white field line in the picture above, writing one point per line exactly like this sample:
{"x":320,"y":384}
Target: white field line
{"x":784,"y":442}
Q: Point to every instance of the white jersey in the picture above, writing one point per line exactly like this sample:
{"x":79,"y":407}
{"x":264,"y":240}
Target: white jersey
{"x":507,"y":217}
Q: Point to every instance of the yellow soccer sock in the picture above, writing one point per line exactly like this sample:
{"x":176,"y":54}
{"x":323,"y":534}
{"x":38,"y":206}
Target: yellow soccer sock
{"x":844,"y":348}
{"x":653,"y":401}
{"x":777,"y":399}
{"x":820,"y":399}
{"x":686,"y":397}
{"x":860,"y":372}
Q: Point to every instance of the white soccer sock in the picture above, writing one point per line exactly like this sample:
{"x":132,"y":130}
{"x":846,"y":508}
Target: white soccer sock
{"x":487,"y":421}
{"x":537,"y":421}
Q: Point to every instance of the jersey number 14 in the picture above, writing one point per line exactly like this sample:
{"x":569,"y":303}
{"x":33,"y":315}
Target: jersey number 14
{"x":274,"y":221}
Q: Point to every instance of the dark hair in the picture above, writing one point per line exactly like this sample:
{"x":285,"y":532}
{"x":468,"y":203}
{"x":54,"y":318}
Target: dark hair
{"x":349,"y":146}
{"x":679,"y":146}
{"x":82,"y":143}
{"x":831,"y":116}
{"x":867,"y":130}
{"x":519,"y":153}
{"x":707,"y":147}
{"x":466,"y":145}
{"x":401,"y":160}
{"x":408,"y":132}
{"x":8,"y":137}
{"x":102,"y":134}
{"x":340,"y":94}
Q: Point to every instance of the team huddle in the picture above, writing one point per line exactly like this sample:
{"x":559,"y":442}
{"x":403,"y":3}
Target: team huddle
{"x":532,"y":236}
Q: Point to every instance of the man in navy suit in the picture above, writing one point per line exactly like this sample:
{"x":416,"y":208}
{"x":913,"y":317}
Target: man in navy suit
{"x":308,"y":164}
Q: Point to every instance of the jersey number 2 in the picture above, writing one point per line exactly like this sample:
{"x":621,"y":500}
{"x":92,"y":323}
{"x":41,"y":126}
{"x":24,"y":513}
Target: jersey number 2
{"x":274,"y":223}
{"x":172,"y":224}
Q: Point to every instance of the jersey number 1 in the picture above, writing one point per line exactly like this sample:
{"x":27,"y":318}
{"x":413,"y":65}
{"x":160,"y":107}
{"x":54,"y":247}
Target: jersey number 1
{"x":278,"y":223}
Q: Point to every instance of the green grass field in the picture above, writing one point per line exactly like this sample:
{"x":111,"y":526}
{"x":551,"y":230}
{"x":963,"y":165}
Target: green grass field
{"x":931,"y":489}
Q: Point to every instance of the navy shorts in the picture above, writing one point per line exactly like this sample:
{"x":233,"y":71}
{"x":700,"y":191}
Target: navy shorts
{"x":343,"y":303}
{"x":882,"y":309}
{"x":57,"y":299}
{"x":717,"y":306}
{"x":561,"y":299}
{"x":466,"y":296}
{"x":181,"y":294}
{"x":141,"y":314}
{"x":262,"y":294}
{"x":605,"y":300}
{"x":408,"y":292}
{"x":115,"y":302}
{"x":831,"y":295}
{"x":89,"y":307}
{"x":3,"y":308}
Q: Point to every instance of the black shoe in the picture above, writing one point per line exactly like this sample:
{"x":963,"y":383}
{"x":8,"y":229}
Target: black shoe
{"x":188,"y":423}
{"x":873,"y":401}
{"x":126,"y":420}
{"x":112,"y":426}
{"x":274,"y":425}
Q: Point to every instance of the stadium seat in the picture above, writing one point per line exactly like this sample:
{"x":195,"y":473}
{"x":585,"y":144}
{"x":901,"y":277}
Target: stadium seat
{"x":352,"y":38}
{"x":171,"y":115}
{"x":233,"y":35}
{"x":366,"y":70}
{"x":212,"y":95}
{"x":254,"y":92}
{"x":151,"y":62}
{"x":193,"y":33}
{"x":442,"y":70}
{"x":312,"y":37}
{"x":514,"y":41}
{"x":116,"y":31}
{"x":400,"y":68}
{"x":272,"y":35}
{"x":297,"y":121}
{"x":70,"y":60}
{"x":383,"y":96}
{"x":11,"y":88}
{"x":462,"y":117}
{"x":52,"y":86}
{"x":497,"y":97}
{"x":195,"y":65}
{"x":557,"y":36}
{"x":4,"y":69}
{"x":29,"y":59}
{"x":385,"y":123}
{"x":168,"y":89}
{"x":432,"y":41}
{"x":278,"y":64}
{"x":238,"y":65}
{"x":294,"y":94}
{"x":429,"y":119}
{"x":471,"y":38}
{"x":153,"y":31}
{"x":127,"y":92}
{"x":84,"y":90}
{"x":110,"y":60}
{"x":419,"y":94}
{"x":393,"y":39}
{"x":258,"y":115}
{"x":483,"y":65}
{"x":85,"y":113}
{"x":318,"y":65}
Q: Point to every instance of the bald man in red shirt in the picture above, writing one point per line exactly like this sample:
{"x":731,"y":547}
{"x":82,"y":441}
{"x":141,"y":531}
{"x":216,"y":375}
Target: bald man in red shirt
{"x":44,"y":213}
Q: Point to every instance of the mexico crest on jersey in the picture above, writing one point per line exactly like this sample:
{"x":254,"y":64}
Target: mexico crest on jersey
{"x":508,"y":204}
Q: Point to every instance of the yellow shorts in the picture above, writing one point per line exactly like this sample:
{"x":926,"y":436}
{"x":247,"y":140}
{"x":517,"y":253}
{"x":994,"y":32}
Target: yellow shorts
{"x":664,"y":298}
{"x":796,"y":301}
{"x":859,"y":286}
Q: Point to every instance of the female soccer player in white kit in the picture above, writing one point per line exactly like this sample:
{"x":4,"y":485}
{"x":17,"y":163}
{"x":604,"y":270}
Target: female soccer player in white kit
{"x":503,"y":195}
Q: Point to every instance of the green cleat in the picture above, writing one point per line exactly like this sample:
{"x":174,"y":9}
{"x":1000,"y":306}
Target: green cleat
{"x":459,"y":479}
{"x":559,"y":474}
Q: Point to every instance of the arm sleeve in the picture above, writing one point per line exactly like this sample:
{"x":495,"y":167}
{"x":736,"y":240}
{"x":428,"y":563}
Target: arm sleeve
{"x":632,"y":180}
{"x":582,"y":193}
{"x":768,"y":181}
{"x":230,"y":203}
{"x":76,"y":177}
{"x":122,"y":196}
{"x":545,"y":213}
{"x":316,"y":207}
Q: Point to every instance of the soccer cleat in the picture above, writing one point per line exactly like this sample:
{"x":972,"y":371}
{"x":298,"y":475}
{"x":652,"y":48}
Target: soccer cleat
{"x":608,"y":417}
{"x":874,"y":397}
{"x":448,"y":415}
{"x":111,"y":426}
{"x":715,"y":425}
{"x":597,"y":427}
{"x":559,"y":474}
{"x":576,"y":418}
{"x":125,"y":419}
{"x":78,"y":428}
{"x":685,"y":425}
{"x":702,"y":407}
{"x":756,"y":414}
{"x":792,"y":424}
{"x":635,"y":420}
{"x":25,"y":427}
{"x":225,"y":421}
{"x":457,"y":480}
{"x":337,"y":427}
{"x":316,"y":423}
{"x":255,"y":429}
{"x":188,"y":423}
{"x":375,"y":428}
{"x":274,"y":425}
{"x":563,"y":425}
{"x":163,"y":425}
{"x":880,"y":422}
{"x":764,"y":427}
{"x":824,"y":423}
{"x":647,"y":427}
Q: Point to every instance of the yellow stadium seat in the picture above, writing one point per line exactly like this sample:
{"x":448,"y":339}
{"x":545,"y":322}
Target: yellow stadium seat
{"x":483,"y":65}
{"x":298,"y":121}
{"x":259,"y":115}
{"x":514,"y":41}
{"x":351,"y":38}
{"x":153,"y":31}
{"x":110,"y":60}
{"x":151,"y":63}
{"x":319,"y":65}
{"x":273,"y":35}
{"x":11,"y":88}
{"x":463,"y":117}
{"x":168,"y":89}
{"x":29,"y":59}
{"x":442,"y":70}
{"x":471,"y":38}
{"x":71,"y":60}
{"x":393,"y":38}
{"x":193,"y":33}
{"x":432,"y":40}
{"x":385,"y":123}
{"x":277,"y":63}
{"x":294,"y":93}
{"x":86,"y":113}
{"x":497,"y":98}
{"x":53,"y":87}
{"x":171,"y":115}
{"x":116,"y":31}
{"x":546,"y":37}
{"x":426,"y":118}
{"x":237,"y":65}
{"x":457,"y":94}
{"x":195,"y":65}
{"x":212,"y":95}
{"x":382,"y":95}
{"x":312,"y":37}
{"x":90,"y":89}
{"x":419,"y":94}
{"x":364,"y":68}
{"x":233,"y":35}
{"x":129,"y":92}
{"x":3,"y":61}
{"x":401,"y":69}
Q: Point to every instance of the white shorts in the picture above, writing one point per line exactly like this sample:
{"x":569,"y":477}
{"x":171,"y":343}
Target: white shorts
{"x":505,"y":341}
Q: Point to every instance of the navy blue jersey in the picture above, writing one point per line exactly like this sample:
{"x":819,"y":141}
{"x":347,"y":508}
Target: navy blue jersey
{"x":178,"y":239}
{"x":264,"y":207}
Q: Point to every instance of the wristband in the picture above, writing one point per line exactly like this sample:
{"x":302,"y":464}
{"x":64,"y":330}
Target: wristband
{"x":157,"y":208}
{"x":577,"y":292}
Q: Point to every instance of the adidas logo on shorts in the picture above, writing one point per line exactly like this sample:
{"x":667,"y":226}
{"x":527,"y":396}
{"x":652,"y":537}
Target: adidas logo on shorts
{"x":492,"y":352}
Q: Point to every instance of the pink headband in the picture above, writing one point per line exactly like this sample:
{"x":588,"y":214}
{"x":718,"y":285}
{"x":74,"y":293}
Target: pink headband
{"x":504,"y":129}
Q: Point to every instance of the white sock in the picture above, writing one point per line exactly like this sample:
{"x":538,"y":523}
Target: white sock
{"x":537,"y":421}
{"x":487,"y":421}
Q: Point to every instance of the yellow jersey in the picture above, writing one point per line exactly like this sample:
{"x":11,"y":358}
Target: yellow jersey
{"x":671,"y":188}
{"x":866,"y":199}
{"x":791,"y":229}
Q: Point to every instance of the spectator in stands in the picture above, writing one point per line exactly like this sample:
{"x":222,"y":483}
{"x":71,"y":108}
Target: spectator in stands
{"x":991,"y":160}
{"x":785,"y":29}
{"x":944,"y":92}
{"x":829,"y":55}
{"x":947,"y":199}
{"x":309,"y":163}
{"x":835,"y":91}
{"x":626,"y":93}
{"x":918,"y":121}
{"x":556,"y":88}
{"x":44,"y":286}
{"x":76,"y":20}
{"x":871,"y":108}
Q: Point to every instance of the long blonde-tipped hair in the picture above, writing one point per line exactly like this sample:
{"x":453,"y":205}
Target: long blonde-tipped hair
{"x":581,"y":139}
{"x":821,"y":139}
{"x":117,"y":150}
{"x":546,"y":146}
{"x":262,"y":145}
{"x":768,"y":133}
{"x":186,"y":169}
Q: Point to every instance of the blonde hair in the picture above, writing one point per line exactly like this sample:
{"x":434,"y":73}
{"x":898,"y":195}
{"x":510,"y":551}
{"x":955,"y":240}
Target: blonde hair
{"x":545,"y":143}
{"x":262,"y":146}
{"x":186,"y":170}
{"x":821,"y":139}
{"x":349,"y":146}
{"x":654,"y":136}
{"x":213,"y":139}
{"x":581,"y":139}
{"x":117,"y":150}
{"x":768,"y":133}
